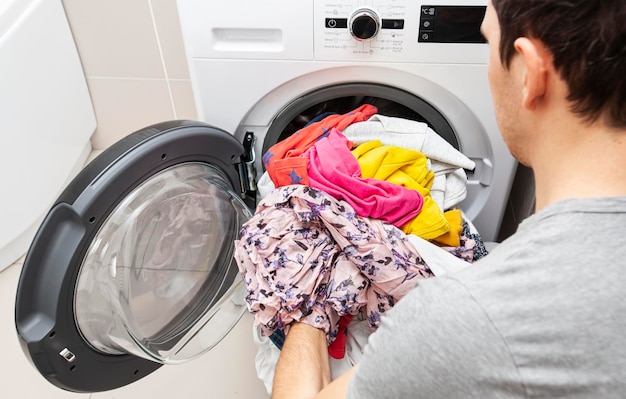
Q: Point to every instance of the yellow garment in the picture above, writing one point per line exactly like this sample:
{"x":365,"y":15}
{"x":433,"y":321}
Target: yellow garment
{"x":453,"y":237}
{"x":430,"y":223}
{"x":407,"y":168}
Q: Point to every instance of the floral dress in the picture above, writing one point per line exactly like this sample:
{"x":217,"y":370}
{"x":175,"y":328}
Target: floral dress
{"x":306,"y":256}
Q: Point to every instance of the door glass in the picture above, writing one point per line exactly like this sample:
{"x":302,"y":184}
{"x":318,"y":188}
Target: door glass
{"x":159,"y":280}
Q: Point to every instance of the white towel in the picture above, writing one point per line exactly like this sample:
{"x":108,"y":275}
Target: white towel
{"x":264,"y":186}
{"x":409,"y":134}
{"x":448,"y":164}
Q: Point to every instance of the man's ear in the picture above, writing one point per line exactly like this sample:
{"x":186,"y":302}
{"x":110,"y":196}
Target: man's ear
{"x":534,"y":59}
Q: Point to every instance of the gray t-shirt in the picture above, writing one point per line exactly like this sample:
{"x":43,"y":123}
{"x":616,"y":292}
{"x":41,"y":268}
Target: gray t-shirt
{"x":542,"y":316}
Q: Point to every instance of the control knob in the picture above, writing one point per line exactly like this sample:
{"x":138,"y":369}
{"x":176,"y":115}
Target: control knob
{"x":364,"y":24}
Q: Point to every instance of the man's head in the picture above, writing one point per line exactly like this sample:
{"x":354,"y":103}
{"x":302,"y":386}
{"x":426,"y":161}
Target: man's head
{"x":587,"y":43}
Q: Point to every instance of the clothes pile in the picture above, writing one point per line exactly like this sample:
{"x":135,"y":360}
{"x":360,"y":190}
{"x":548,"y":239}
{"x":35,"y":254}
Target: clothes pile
{"x":354,"y":209}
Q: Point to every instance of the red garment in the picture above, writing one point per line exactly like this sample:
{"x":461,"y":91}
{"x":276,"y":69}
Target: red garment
{"x":282,"y":161}
{"x":337,"y":348}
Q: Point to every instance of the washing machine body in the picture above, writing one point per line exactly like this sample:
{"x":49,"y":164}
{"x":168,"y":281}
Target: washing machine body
{"x":255,"y":67}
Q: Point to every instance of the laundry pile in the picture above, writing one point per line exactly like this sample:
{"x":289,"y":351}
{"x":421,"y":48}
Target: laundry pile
{"x":355,"y":209}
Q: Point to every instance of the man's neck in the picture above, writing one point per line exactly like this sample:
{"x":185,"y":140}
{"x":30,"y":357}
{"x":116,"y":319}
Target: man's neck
{"x":580,"y":162}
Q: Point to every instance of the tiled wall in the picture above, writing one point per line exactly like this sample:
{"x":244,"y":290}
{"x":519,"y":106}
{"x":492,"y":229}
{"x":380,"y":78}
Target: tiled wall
{"x":134,"y":61}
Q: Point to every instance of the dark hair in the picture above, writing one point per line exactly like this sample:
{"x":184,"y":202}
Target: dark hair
{"x":587,"y":39}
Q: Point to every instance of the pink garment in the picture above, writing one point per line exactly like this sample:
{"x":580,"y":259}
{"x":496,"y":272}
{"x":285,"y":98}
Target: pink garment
{"x":332,"y":168}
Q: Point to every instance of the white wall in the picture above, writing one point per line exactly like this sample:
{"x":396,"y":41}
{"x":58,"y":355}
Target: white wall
{"x":134,"y":60}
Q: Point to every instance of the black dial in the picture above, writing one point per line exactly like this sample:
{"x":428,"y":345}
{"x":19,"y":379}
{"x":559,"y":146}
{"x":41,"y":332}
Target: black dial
{"x":364,"y":24}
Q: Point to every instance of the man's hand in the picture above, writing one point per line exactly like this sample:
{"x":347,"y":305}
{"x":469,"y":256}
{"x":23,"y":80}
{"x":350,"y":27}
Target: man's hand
{"x":303,"y":369}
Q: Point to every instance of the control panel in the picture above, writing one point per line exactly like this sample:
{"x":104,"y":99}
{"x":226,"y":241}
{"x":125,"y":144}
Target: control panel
{"x":451,"y":24}
{"x":394,"y":30}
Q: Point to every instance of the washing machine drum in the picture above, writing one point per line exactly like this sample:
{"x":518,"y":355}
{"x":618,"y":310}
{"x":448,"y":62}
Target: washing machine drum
{"x":133,"y":266}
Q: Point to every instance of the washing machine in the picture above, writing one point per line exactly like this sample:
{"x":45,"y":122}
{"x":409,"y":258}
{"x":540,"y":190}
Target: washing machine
{"x":267,"y":67}
{"x":132,"y":267}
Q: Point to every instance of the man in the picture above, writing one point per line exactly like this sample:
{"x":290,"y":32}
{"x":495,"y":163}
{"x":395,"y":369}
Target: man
{"x":544,"y":314}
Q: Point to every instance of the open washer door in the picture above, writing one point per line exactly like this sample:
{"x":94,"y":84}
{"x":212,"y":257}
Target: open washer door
{"x":133,"y":266}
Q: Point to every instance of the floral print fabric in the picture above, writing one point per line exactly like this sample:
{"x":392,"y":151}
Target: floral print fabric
{"x":306,"y":256}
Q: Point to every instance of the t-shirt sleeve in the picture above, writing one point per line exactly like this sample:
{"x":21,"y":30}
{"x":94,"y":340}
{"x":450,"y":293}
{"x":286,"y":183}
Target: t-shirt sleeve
{"x":437,"y":342}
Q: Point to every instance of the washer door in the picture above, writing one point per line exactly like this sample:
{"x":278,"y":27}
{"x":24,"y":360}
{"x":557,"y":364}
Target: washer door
{"x":132,"y":268}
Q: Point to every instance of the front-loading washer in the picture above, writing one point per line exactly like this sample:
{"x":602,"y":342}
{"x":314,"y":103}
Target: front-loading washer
{"x":266,"y":67}
{"x":132,"y":267}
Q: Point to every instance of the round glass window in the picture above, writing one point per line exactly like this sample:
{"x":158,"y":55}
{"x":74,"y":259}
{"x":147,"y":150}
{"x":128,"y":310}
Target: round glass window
{"x":159,"y":279}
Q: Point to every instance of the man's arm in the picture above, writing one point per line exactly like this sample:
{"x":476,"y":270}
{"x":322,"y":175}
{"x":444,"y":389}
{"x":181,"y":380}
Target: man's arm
{"x":303,"y":368}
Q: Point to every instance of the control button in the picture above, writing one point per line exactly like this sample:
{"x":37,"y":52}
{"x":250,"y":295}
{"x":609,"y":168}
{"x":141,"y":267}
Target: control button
{"x":393,"y":24}
{"x":428,"y":11}
{"x":427,"y":23}
{"x":336,"y":23}
{"x":364,"y":24}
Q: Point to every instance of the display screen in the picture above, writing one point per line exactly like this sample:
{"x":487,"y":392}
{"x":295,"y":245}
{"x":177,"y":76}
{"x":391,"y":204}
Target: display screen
{"x":451,"y":24}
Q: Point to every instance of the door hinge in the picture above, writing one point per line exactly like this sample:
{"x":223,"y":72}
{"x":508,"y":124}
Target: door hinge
{"x":247,"y":170}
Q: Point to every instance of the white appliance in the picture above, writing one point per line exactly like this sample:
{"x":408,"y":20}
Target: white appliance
{"x":46,"y":118}
{"x":256,"y":66}
{"x":132,"y":268}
